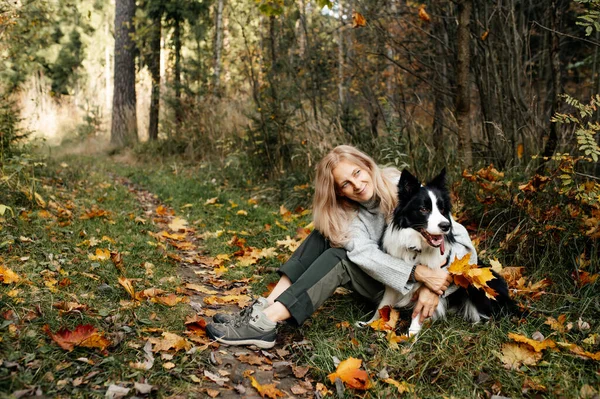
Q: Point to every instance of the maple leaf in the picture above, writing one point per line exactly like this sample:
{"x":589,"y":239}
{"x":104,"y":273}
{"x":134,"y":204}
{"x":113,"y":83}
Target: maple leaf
{"x":169,"y":341}
{"x":515,"y":355}
{"x":178,"y":224}
{"x":358,"y":20}
{"x":557,"y":324}
{"x":161,"y":210}
{"x":537,"y":346}
{"x":289,"y":243}
{"x":66,"y":307}
{"x":268,"y":390}
{"x":101,"y":255}
{"x":169,"y":300}
{"x":84,"y":335}
{"x":394,"y":340}
{"x":349,"y":372}
{"x":251,"y":359}
{"x":388,"y":318}
{"x":241,"y":300}
{"x":466,"y":274}
{"x":7,"y":276}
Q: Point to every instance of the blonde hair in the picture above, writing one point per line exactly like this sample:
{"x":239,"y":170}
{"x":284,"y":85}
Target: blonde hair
{"x":333,"y":213}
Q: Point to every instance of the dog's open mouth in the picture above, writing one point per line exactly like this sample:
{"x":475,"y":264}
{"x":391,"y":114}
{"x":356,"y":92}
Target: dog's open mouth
{"x":435,"y":240}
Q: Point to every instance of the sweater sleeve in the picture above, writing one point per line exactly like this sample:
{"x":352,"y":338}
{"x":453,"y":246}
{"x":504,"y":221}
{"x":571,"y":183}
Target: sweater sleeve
{"x":461,"y":235}
{"x":364,"y":251}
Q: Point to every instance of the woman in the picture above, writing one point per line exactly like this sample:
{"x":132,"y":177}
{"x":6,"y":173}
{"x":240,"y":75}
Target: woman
{"x":353,"y":198}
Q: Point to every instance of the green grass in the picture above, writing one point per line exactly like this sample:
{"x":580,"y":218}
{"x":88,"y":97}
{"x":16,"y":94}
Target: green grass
{"x":450,"y":359}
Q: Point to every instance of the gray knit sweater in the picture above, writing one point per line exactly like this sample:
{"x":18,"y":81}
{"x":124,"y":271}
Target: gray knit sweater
{"x":363,"y":248}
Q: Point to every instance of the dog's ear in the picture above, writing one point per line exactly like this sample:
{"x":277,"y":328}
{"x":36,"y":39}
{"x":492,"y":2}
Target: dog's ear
{"x":407,"y":186}
{"x":439,"y":181}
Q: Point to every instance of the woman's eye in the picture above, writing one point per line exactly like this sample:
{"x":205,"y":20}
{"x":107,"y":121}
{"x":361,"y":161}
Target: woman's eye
{"x":357,"y":172}
{"x":344,"y":185}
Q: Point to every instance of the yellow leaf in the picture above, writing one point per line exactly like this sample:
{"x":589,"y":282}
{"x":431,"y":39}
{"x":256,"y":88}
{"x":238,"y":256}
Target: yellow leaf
{"x":211,"y":201}
{"x":535,"y":345}
{"x":169,"y":341}
{"x":242,"y":212}
{"x":268,"y":390}
{"x":169,"y":365}
{"x":7,"y":276}
{"x":178,"y":224}
{"x":101,"y":255}
{"x":126,"y":283}
{"x":496,"y":265}
{"x":349,"y":372}
{"x":520,"y":150}
{"x":402,"y":386}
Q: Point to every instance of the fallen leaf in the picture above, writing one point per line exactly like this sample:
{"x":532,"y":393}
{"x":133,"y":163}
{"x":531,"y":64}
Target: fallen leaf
{"x":101,"y":255}
{"x":178,"y":224}
{"x":83,"y":335}
{"x":268,"y":390}
{"x":535,"y":345}
{"x":128,"y":285}
{"x":515,"y":355}
{"x":7,"y":276}
{"x":423,"y":16}
{"x":358,"y":20}
{"x":349,"y":372}
{"x":402,"y":386}
{"x":169,"y":341}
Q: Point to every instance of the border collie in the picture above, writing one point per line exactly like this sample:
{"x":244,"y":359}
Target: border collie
{"x":420,"y":232}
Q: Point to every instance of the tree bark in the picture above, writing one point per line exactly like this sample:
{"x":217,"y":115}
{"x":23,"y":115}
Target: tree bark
{"x":463,"y":97}
{"x":218,"y":47}
{"x":124,"y":123}
{"x":177,"y":73}
{"x":154,"y":67}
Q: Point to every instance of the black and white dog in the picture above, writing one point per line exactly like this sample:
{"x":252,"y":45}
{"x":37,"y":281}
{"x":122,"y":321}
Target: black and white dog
{"x":422,"y":232}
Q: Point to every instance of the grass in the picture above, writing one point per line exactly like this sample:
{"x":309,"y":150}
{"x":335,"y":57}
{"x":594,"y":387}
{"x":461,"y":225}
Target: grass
{"x":450,"y":359}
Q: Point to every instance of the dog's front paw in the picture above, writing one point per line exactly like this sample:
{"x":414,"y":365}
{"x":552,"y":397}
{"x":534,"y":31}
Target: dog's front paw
{"x":362,"y":324}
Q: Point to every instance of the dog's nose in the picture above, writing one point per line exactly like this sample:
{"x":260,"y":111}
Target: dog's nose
{"x":445,"y":226}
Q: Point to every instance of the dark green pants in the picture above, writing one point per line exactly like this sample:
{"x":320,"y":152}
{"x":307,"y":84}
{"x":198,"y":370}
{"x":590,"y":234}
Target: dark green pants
{"x":316,"y":270}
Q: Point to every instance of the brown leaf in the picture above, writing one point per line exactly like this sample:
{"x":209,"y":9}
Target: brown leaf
{"x":251,"y":359}
{"x":169,"y":341}
{"x":515,"y":355}
{"x":423,"y":16}
{"x":128,"y":285}
{"x":117,"y":260}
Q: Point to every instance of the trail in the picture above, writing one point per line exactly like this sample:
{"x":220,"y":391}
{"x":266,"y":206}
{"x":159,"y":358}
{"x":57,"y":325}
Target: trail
{"x":231,"y":368}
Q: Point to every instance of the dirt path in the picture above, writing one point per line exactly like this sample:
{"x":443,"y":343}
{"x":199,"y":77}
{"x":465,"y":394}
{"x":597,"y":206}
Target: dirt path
{"x":232,"y":369}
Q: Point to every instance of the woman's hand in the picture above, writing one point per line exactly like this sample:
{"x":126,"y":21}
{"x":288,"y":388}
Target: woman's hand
{"x":437,"y":280}
{"x":427,"y":302}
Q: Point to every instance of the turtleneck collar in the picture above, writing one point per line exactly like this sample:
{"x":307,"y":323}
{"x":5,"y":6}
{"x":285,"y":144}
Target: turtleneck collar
{"x":372,"y":204}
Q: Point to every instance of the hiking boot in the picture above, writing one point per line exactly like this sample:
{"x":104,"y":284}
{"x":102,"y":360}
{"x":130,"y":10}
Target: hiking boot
{"x":251,"y":328}
{"x":259,"y":303}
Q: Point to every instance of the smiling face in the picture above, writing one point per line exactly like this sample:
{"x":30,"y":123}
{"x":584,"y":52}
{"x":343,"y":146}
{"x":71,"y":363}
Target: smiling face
{"x":353,"y":181}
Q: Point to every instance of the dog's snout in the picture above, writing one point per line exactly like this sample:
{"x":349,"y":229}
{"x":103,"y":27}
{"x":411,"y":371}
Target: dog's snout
{"x":444,"y":226}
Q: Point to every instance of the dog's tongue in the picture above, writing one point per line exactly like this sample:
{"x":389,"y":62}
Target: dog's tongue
{"x":442,"y":249}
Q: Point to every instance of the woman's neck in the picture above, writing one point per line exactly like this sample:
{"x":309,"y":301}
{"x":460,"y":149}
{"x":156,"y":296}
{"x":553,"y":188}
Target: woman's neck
{"x":371,"y":204}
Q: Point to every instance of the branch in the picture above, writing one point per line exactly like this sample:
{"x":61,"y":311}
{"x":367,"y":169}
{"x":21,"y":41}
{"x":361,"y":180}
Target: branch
{"x":567,"y":35}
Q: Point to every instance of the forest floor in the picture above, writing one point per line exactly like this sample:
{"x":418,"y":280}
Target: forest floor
{"x":111,"y":272}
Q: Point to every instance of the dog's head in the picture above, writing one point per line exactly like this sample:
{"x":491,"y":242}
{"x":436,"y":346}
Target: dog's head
{"x":425,"y":209}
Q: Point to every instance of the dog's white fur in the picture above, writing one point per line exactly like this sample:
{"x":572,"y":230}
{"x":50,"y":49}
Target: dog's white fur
{"x":410,"y":246}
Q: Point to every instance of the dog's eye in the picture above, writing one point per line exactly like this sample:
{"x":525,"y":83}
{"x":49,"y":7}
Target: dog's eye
{"x":424,"y":210}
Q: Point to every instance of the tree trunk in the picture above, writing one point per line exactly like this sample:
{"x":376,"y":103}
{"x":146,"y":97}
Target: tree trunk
{"x":177,"y":73}
{"x":154,"y":67}
{"x":124,"y":123}
{"x":556,"y":76}
{"x":463,"y":97}
{"x":218,"y":47}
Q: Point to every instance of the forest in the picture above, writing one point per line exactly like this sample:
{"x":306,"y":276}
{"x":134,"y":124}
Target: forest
{"x":157,"y":161}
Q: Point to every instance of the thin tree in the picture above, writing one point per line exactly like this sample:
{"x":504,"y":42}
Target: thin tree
{"x":218,"y":47}
{"x":463,"y":97}
{"x":124,"y":123}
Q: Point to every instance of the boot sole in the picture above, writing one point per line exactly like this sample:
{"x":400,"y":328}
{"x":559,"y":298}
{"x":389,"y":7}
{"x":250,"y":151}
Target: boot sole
{"x":256,"y":342}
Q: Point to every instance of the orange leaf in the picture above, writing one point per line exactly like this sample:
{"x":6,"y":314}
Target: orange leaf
{"x":466,"y":274}
{"x":84,"y":335}
{"x":349,"y":372}
{"x":583,"y":353}
{"x":484,"y":36}
{"x":535,"y":345}
{"x":557,"y":324}
{"x":423,"y":16}
{"x":268,"y":390}
{"x":358,"y":20}
{"x":169,"y":300}
{"x":163,"y":211}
